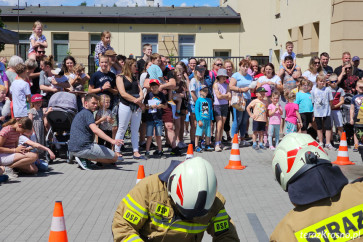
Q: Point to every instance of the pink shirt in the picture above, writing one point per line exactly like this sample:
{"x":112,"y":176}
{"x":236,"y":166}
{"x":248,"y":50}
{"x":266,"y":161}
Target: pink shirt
{"x":291,"y":109}
{"x":11,"y":136}
{"x":276,"y":118}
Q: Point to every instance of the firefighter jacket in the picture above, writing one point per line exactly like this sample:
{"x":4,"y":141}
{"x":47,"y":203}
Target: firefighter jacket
{"x":339,"y":218}
{"x":146,"y":213}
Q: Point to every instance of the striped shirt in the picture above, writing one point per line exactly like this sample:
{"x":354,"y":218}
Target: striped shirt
{"x":11,"y":136}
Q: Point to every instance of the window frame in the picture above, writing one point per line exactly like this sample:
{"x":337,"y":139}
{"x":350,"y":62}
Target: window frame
{"x":93,"y":42}
{"x":180,"y":43}
{"x":59,"y":42}
{"x":26,"y":43}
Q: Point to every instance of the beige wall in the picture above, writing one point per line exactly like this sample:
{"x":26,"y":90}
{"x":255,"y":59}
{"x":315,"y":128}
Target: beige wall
{"x":126,"y":39}
{"x":260,"y":24}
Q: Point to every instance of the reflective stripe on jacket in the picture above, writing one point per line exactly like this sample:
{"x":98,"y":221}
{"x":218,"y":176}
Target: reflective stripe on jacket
{"x":146,"y":213}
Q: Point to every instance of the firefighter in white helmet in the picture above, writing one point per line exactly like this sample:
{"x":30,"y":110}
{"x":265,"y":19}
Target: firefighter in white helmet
{"x":177,"y":205}
{"x":327,"y":208}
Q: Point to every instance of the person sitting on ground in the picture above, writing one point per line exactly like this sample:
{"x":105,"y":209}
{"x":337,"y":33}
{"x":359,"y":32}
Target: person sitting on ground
{"x":179,"y":204}
{"x":20,"y":91}
{"x":12,"y":155}
{"x":4,"y":106}
{"x":326,"y":207}
{"x":83,"y":131}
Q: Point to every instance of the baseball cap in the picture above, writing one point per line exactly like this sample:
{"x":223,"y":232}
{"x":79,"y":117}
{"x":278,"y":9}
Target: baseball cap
{"x":222,"y":72}
{"x":155,"y":81}
{"x":36,"y":98}
{"x":261,"y":89}
{"x":200,"y":68}
{"x":110,"y":52}
{"x":355,"y":58}
{"x":202,"y":87}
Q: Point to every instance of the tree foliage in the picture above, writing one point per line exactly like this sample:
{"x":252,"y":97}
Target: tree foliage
{"x":83,"y":3}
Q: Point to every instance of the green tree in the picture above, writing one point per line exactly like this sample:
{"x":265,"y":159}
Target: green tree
{"x":83,"y":3}
{"x":114,"y":5}
{"x":2,"y":46}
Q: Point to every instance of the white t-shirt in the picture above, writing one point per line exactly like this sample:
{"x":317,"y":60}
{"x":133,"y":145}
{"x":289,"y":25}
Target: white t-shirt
{"x":40,"y":39}
{"x":275,"y":79}
{"x":286,"y":54}
{"x":311,"y":77}
{"x":19,"y":89}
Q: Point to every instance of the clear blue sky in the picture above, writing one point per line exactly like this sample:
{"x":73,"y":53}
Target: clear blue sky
{"x":177,"y":3}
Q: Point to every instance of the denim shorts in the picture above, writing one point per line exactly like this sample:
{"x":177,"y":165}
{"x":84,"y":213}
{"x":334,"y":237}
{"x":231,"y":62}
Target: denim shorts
{"x":95,"y":151}
{"x":157,"y":124}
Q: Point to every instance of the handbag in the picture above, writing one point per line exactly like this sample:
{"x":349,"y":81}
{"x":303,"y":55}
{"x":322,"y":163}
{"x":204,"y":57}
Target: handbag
{"x":238,"y":101}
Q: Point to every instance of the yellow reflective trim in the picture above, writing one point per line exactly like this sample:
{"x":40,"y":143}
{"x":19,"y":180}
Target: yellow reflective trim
{"x":178,"y":226}
{"x":162,"y":210}
{"x":136,"y":204}
{"x":133,"y":238}
{"x":133,"y":209}
{"x":131,"y":217}
{"x":221,"y":218}
{"x":344,"y":226}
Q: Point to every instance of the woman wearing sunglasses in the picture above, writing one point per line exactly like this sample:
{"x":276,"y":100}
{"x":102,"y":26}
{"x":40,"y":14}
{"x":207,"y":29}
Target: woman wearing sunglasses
{"x":347,"y":80}
{"x":314,"y":69}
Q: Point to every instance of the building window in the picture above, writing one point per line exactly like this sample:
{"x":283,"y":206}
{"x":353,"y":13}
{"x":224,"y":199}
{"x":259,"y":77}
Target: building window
{"x":150,"y":39}
{"x":24,"y":45}
{"x":94,"y":39}
{"x":186,"y":45}
{"x":60,"y":46}
{"x":222,"y":53}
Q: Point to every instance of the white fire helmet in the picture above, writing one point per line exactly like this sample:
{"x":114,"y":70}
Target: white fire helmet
{"x":296,"y":154}
{"x":192,"y":185}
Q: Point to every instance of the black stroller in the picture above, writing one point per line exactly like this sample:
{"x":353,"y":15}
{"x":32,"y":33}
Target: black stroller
{"x":64,"y":108}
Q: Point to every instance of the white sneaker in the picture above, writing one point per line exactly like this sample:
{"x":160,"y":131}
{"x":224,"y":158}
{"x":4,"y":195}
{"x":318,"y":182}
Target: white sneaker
{"x":329,"y":147}
{"x":321,"y":144}
{"x":10,"y":173}
{"x":218,"y":148}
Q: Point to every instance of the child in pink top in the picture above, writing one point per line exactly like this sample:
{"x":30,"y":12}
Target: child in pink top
{"x":292,"y":114}
{"x":274,"y":112}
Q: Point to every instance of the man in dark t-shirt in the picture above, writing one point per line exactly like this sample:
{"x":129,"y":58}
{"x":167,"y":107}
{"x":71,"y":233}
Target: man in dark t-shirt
{"x":147,"y":50}
{"x":83,"y":131}
{"x":39,"y":55}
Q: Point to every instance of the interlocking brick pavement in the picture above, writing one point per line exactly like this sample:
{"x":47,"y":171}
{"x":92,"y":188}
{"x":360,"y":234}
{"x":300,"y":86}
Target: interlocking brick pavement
{"x":255,"y":201}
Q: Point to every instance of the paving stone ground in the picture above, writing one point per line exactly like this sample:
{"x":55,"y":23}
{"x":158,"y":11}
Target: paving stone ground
{"x":255,"y":201}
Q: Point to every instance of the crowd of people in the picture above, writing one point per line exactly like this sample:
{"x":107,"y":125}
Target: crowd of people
{"x":153,"y":98}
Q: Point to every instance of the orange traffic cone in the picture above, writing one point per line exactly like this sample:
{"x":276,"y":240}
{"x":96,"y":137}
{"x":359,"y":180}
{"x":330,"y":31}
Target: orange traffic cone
{"x":343,"y":157}
{"x":140,"y":174}
{"x":235,"y":157}
{"x":190,"y":153}
{"x":58,"y":232}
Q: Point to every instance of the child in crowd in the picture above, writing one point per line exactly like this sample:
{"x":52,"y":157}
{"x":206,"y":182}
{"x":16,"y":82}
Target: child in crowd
{"x":356,"y":114}
{"x":59,"y":78}
{"x":338,"y":100}
{"x":289,"y":51}
{"x":36,"y":39}
{"x":292,"y":115}
{"x":3,"y":61}
{"x":204,"y":116}
{"x":103,"y":46}
{"x":322,"y":99}
{"x":179,"y":93}
{"x":12,"y":155}
{"x":305,"y":102}
{"x":155,"y":101}
{"x":154,"y":70}
{"x":104,"y":119}
{"x":259,"y":116}
{"x":20,"y":91}
{"x":79,"y":79}
{"x":37,"y":116}
{"x":25,"y":140}
{"x":4,"y":106}
{"x":298,"y":85}
{"x":274,"y":112}
{"x":222,"y":95}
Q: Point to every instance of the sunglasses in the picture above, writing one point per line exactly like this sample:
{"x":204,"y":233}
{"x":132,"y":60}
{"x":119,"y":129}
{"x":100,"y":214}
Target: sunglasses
{"x":219,"y":64}
{"x":348,"y":68}
{"x":41,"y":52}
{"x":316,"y":63}
{"x":333,"y":81}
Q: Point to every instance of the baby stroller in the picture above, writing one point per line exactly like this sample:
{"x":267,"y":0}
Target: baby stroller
{"x":64,"y":108}
{"x":345,"y":108}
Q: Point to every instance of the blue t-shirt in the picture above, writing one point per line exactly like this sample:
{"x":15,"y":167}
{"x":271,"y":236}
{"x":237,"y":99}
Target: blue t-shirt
{"x":81,"y":136}
{"x":243,"y":81}
{"x":357,"y":101}
{"x":321,"y":99}
{"x":305,"y":102}
{"x":155,"y":72}
{"x":203,"y":109}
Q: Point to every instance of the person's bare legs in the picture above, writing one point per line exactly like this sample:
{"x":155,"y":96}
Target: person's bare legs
{"x":170,"y":133}
{"x":107,"y":161}
{"x":328,"y":136}
{"x":320,"y":136}
{"x":177,"y":129}
{"x":193,"y":127}
{"x":142,"y":132}
{"x":24,"y":162}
